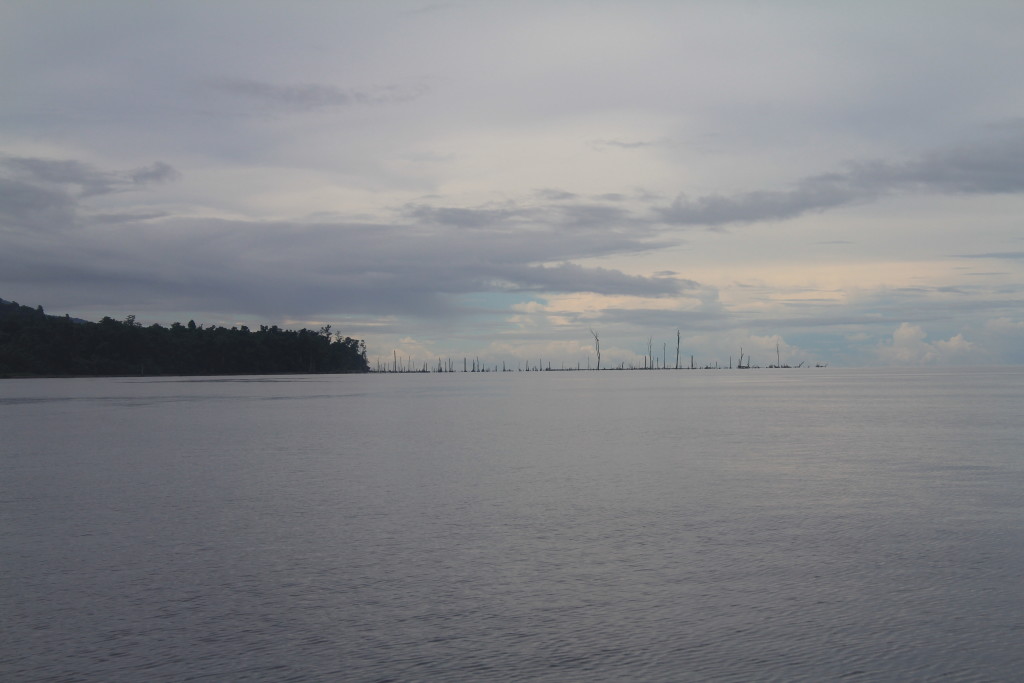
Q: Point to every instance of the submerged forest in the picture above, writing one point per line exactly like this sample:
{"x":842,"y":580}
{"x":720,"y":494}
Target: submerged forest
{"x":33,"y":343}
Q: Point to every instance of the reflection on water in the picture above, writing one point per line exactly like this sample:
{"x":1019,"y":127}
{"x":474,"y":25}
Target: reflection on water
{"x":780,"y":524}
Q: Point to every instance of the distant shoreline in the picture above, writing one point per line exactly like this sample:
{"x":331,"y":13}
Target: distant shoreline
{"x":214,"y":374}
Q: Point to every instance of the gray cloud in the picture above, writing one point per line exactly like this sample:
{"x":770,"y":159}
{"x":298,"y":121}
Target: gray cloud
{"x":555,"y":195}
{"x":570,"y":277}
{"x":812,"y":194}
{"x":623,"y":144}
{"x":992,"y":167}
{"x":62,"y":172}
{"x":1008,"y":255}
{"x":24,"y":205}
{"x":565,"y":214}
{"x":420,"y":266}
{"x":275,"y":269}
{"x":888,"y":308}
{"x":44,"y":195}
{"x":57,"y":171}
{"x":478,"y":218}
{"x":125,"y":217}
{"x":597,"y":216}
{"x":158,"y":172}
{"x":89,"y":179}
{"x":314,"y":95}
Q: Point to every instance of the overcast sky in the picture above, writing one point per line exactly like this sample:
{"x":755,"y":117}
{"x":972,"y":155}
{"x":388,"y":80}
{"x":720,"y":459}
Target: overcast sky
{"x":845,"y":180}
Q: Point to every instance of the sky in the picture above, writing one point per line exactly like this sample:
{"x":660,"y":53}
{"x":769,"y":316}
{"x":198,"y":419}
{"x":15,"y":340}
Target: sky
{"x":809,"y":182}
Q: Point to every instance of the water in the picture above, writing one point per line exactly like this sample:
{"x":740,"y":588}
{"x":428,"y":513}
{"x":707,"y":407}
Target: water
{"x":811,"y":524}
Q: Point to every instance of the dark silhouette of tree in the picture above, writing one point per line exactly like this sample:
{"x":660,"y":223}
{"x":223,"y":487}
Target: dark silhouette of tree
{"x":33,"y":343}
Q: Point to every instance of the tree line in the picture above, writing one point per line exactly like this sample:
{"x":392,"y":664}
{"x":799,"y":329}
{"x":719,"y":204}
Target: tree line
{"x":34,"y":343}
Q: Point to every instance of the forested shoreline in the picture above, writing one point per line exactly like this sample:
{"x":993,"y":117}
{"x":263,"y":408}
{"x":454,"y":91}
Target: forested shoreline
{"x":33,"y":343}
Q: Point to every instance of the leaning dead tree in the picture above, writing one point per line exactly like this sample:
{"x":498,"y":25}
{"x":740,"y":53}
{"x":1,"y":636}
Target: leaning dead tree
{"x":597,"y":347}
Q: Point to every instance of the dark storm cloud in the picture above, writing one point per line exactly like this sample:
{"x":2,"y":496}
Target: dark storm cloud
{"x":314,"y":95}
{"x":992,"y":167}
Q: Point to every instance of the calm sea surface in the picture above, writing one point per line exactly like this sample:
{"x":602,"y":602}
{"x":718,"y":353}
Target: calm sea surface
{"x":791,"y":525}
